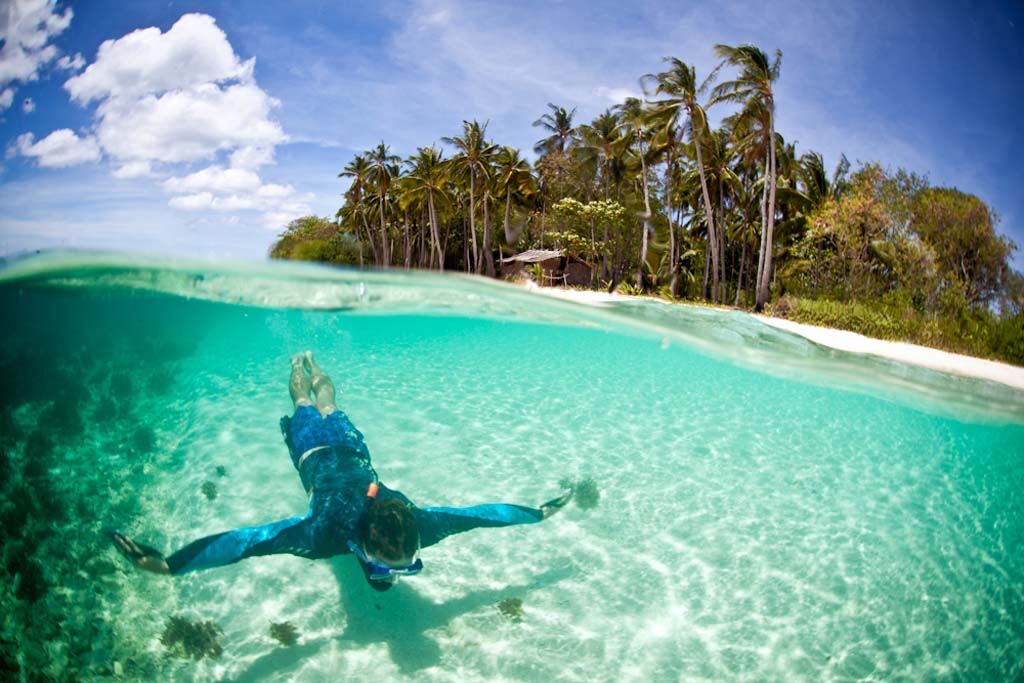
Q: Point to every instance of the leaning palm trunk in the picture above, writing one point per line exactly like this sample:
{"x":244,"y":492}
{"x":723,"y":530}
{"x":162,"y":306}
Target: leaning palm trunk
{"x":739,"y":280}
{"x":674,"y":281}
{"x":764,"y":231}
{"x":707,"y":263}
{"x":472,"y":222}
{"x":485,"y":248}
{"x":435,"y":238}
{"x":712,"y":235}
{"x":647,"y":220}
{"x":369,"y":234}
{"x":766,"y":274}
{"x":386,"y":257}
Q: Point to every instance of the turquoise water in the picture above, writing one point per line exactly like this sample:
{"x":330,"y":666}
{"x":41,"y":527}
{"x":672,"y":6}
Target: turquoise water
{"x":770,"y":510}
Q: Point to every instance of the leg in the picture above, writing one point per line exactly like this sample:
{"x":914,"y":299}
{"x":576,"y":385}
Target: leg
{"x":323,"y":388}
{"x":299,"y":385}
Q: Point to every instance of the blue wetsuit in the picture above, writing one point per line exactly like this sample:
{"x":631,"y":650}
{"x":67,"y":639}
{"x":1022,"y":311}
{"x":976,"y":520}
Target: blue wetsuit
{"x":337,"y":479}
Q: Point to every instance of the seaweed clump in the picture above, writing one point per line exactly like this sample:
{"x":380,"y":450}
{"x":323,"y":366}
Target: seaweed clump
{"x":511,"y":608}
{"x":209,"y":490}
{"x":284,"y":633}
{"x":195,"y":639}
{"x":221,"y":471}
{"x":585,"y":492}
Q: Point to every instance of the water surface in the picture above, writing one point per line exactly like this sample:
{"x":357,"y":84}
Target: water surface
{"x":770,"y":510}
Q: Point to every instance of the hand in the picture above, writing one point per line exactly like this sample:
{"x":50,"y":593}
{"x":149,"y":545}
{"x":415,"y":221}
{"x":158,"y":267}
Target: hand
{"x":552,"y":506}
{"x":142,"y":556}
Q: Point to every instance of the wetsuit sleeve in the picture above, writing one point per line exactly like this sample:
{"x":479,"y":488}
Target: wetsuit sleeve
{"x":292,"y":535}
{"x":437,"y":523}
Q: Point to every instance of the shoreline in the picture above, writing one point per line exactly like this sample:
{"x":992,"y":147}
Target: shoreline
{"x":844,"y":340}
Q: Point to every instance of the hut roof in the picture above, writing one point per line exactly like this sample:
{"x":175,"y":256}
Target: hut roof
{"x":533,"y":256}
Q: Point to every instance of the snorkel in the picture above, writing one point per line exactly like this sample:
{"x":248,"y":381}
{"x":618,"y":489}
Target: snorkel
{"x":380,"y":573}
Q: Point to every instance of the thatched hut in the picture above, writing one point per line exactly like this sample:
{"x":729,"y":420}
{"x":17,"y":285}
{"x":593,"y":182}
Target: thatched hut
{"x":557,"y":267}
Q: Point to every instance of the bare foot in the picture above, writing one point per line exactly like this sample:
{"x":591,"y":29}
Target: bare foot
{"x":298,"y":360}
{"x":308,"y":362}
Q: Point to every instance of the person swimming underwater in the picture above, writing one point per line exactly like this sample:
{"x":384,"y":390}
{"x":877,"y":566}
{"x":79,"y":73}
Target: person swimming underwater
{"x":350,"y":510}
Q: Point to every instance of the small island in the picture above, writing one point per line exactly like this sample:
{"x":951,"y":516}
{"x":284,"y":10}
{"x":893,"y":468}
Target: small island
{"x":690,"y":193}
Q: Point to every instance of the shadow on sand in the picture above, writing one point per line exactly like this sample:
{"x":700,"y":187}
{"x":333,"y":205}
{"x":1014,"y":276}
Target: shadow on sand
{"x":399,"y":618}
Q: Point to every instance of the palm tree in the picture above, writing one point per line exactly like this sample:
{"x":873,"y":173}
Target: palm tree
{"x":817,"y":186}
{"x":635,"y":119}
{"x":472,"y":163}
{"x":679,"y":83}
{"x":754,"y":83}
{"x":359,"y":171}
{"x":602,"y":147}
{"x":601,"y":144}
{"x":515,"y":178}
{"x":383,"y":169}
{"x":558,"y":122}
{"x":426,"y":184}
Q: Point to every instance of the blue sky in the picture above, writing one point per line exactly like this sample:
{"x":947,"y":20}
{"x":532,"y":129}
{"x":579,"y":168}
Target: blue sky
{"x":171,"y":139}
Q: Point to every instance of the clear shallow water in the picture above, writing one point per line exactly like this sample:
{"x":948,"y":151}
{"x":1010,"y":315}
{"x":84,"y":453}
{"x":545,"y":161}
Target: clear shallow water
{"x":770,"y":510}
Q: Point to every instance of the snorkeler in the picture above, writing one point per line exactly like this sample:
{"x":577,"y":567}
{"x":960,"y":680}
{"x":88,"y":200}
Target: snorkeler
{"x":350,"y":511}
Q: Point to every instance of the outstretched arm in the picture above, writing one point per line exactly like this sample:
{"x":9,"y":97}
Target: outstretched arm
{"x":437,"y":523}
{"x":285,"y":536}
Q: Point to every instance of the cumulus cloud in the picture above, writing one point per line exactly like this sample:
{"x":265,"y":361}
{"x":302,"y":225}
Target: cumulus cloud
{"x":133,"y":169}
{"x":28,"y":105}
{"x":58,"y":149}
{"x":164,"y":99}
{"x":26,"y":29}
{"x":215,"y":178}
{"x":189,"y":125}
{"x":194,"y":51}
{"x":192,"y":202}
{"x":234,"y":189}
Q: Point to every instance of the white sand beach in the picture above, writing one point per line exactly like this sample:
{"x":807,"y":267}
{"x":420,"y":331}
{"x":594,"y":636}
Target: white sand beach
{"x":933,"y":359}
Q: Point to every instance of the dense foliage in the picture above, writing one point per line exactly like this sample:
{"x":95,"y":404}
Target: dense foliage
{"x":656,"y":199}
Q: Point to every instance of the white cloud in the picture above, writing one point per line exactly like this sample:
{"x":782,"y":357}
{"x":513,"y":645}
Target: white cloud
{"x":163,"y":99}
{"x":26,"y":29}
{"x":28,"y":105}
{"x":233,"y":189}
{"x":188,"y":125}
{"x":71,"y":63}
{"x":6,"y":98}
{"x":58,"y":149}
{"x":183,"y":95}
{"x":194,"y":51}
{"x":192,"y":202}
{"x":215,"y":178}
{"x":133,"y":169}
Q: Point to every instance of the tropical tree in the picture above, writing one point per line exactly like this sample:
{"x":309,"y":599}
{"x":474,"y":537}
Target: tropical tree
{"x":359,"y":171}
{"x":814,"y":180}
{"x":514,"y":178}
{"x":472,"y":164}
{"x":426,"y":185}
{"x":754,"y":85}
{"x":558,"y":122}
{"x":383,"y":169}
{"x":682,"y":108}
{"x":636,"y":121}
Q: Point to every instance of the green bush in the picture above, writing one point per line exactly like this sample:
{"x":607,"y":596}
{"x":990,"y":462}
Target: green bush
{"x":896,"y":318}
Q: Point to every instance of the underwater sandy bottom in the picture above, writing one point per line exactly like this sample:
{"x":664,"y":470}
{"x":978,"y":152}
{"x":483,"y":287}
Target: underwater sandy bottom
{"x":749,"y":527}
